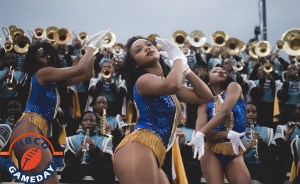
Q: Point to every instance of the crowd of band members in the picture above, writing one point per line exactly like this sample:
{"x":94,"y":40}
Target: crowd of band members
{"x":271,"y":141}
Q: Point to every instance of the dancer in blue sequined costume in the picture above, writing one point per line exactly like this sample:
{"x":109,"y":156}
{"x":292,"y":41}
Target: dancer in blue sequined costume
{"x":223,"y":121}
{"x":46,"y":76}
{"x":156,"y":93}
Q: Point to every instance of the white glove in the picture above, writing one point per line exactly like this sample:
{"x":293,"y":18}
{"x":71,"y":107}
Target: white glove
{"x":235,"y":140}
{"x":198,"y":143}
{"x":171,"y":49}
{"x":185,"y":64}
{"x":96,"y":39}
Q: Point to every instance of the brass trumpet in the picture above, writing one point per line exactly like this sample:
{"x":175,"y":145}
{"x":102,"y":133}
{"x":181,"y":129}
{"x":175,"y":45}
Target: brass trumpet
{"x":179,"y":37}
{"x":62,"y":36}
{"x":8,"y":46}
{"x":196,"y":38}
{"x":82,"y":36}
{"x":106,"y":73}
{"x":239,"y":66}
{"x":185,"y":51}
{"x":268,"y":67}
{"x":292,"y":39}
{"x":280,"y":44}
{"x":206,"y":48}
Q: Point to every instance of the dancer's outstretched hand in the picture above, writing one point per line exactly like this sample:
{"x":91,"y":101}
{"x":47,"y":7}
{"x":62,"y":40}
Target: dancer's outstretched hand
{"x":198,"y":143}
{"x":235,"y":140}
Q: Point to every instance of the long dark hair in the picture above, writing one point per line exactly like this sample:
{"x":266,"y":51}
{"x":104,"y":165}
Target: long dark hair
{"x":130,"y":73}
{"x":31,"y":65}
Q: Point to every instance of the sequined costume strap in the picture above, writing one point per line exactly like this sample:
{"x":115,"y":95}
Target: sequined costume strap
{"x":147,"y":138}
{"x":35,"y":119}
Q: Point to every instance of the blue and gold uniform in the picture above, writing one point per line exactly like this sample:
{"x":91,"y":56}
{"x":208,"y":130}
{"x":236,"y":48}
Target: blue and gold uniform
{"x":157,"y":121}
{"x":236,"y":122}
{"x":41,"y":106}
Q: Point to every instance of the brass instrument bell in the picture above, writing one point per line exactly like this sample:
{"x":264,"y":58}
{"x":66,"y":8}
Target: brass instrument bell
{"x":62,"y":36}
{"x":152,"y":37}
{"x":239,"y":66}
{"x":219,"y":38}
{"x":196,"y":38}
{"x":179,"y":37}
{"x":206,"y":48}
{"x":251,"y":49}
{"x":21,"y":44}
{"x":39,"y":32}
{"x":185,"y":51}
{"x":8,"y":46}
{"x":292,"y":39}
{"x":106,"y":73}
{"x":50,"y":33}
{"x":109,"y":40}
{"x":232,"y":46}
{"x":268,"y":67}
{"x":82,"y":36}
{"x":263,"y":48}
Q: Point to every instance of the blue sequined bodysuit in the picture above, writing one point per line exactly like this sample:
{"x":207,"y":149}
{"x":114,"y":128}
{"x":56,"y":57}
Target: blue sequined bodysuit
{"x":157,"y":120}
{"x":239,"y":115}
{"x":41,"y":105}
{"x":236,"y":122}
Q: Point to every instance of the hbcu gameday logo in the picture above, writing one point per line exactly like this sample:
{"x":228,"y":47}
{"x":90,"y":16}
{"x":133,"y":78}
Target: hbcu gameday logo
{"x":31,"y":158}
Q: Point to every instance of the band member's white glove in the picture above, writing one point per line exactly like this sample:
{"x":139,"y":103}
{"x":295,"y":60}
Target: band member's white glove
{"x":171,"y":49}
{"x":235,"y":140}
{"x":198,"y":143}
{"x":96,"y":40}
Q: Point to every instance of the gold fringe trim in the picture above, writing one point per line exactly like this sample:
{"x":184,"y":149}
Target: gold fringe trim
{"x":224,"y":148}
{"x":147,"y":138}
{"x":37,"y":120}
